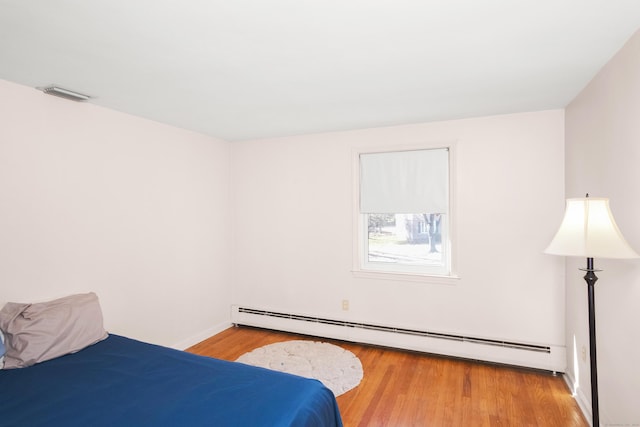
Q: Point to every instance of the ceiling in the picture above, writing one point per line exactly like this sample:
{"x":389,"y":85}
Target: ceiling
{"x":246,"y":69}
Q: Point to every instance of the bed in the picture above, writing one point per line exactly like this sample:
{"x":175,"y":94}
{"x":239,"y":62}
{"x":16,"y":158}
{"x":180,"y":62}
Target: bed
{"x":119,"y":381}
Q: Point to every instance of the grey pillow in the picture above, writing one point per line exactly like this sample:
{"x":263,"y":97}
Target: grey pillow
{"x":38,"y":332}
{"x":2,"y":350}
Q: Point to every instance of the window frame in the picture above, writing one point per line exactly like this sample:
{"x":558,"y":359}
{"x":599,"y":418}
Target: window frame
{"x":360,"y":226}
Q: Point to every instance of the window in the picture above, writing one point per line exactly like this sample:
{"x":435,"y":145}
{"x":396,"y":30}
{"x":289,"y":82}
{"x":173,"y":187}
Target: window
{"x":404,"y":212}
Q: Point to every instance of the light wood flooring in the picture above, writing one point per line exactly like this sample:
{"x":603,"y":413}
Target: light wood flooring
{"x":402,"y":388}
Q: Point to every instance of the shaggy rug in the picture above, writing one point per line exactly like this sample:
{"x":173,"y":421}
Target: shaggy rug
{"x":338,"y":369}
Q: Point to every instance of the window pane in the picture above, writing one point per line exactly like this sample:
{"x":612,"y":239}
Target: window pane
{"x":406,"y":239}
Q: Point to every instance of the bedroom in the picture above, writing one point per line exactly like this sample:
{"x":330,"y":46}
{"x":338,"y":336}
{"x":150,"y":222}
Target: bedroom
{"x":160,"y":221}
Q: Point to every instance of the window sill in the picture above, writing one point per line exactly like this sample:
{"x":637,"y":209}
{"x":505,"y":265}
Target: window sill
{"x":407,"y":277}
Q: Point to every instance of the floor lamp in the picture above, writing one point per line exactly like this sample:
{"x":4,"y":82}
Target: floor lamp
{"x":589,"y":230}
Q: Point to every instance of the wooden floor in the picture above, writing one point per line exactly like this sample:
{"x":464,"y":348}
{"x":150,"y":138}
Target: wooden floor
{"x":402,"y":388}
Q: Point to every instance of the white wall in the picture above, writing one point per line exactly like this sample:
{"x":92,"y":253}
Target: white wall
{"x":95,"y":200}
{"x":139,"y":212}
{"x":293,"y":235}
{"x":603,"y":158}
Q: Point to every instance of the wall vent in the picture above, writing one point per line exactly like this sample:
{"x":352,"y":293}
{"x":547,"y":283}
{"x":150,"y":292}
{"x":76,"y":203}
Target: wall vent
{"x":64,"y":93}
{"x":413,"y":332}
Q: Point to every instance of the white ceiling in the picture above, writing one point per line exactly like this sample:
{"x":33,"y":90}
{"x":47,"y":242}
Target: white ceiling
{"x":244,"y":69}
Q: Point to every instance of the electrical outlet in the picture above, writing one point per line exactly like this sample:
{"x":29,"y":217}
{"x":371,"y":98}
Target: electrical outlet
{"x":583,"y":353}
{"x":345,"y":304}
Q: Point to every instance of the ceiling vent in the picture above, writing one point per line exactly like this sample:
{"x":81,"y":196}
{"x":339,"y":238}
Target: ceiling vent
{"x":64,"y":93}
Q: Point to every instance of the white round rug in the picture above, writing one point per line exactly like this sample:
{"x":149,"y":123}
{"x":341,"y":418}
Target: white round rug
{"x":338,"y":369}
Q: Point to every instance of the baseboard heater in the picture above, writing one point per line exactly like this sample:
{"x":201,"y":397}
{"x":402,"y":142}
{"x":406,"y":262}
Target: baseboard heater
{"x":546,"y":357}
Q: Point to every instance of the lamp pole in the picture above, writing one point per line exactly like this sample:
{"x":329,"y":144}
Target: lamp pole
{"x":591,"y":279}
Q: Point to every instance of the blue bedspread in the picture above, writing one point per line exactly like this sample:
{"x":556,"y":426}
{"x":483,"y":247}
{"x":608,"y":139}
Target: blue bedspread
{"x":123,"y":382}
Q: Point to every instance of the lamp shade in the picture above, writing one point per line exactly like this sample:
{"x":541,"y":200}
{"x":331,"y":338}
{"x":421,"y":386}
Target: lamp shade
{"x":589,"y":230}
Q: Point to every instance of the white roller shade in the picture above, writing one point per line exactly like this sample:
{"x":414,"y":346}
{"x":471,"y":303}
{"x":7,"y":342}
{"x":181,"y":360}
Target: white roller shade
{"x":405,"y":181}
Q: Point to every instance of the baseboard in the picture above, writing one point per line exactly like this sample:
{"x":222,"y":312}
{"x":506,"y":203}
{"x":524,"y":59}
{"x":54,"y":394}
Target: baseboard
{"x":201,"y":336}
{"x":537,"y":356}
{"x":578,"y":395}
